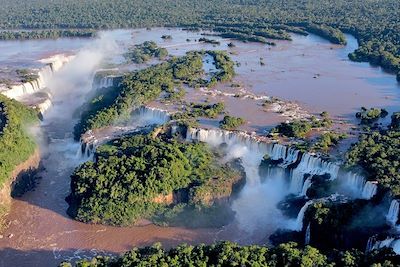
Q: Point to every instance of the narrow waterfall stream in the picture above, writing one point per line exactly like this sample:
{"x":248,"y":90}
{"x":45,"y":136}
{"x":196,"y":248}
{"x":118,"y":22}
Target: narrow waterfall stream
{"x":393,"y":214}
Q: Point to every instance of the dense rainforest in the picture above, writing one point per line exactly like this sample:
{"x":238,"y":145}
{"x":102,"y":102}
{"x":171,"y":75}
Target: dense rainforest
{"x":148,"y":175}
{"x":231,"y":254}
{"x":375,"y":23}
{"x":378,"y":153}
{"x":15,"y":144}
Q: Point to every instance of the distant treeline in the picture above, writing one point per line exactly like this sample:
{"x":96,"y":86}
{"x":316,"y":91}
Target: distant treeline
{"x":45,"y":34}
{"x":375,"y":24}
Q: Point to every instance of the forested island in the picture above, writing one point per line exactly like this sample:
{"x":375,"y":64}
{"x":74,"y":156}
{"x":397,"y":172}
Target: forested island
{"x":155,"y":176}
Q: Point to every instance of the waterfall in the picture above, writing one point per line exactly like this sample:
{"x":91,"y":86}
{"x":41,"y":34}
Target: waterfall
{"x":53,"y":64}
{"x":370,"y":244}
{"x":306,"y":185}
{"x":148,"y":115}
{"x":358,"y":187}
{"x":100,"y":81}
{"x":86,"y":150}
{"x":312,"y":165}
{"x":354,"y":183}
{"x":389,"y":242}
{"x":316,"y":166}
{"x":44,"y":106}
{"x":300,"y":217}
{"x":216,"y":137}
{"x":393,"y":212}
{"x":308,"y":163}
{"x":143,"y":118}
{"x":106,"y":82}
{"x":369,"y":190}
{"x":307,"y":237}
{"x":296,"y":181}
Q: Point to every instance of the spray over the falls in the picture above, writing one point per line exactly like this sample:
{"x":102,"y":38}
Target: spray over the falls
{"x":142,"y":119}
{"x":45,"y":74}
{"x":257,"y":203}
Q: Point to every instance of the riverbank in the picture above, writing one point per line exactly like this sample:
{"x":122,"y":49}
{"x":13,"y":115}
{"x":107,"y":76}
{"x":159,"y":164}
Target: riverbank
{"x":21,"y":177}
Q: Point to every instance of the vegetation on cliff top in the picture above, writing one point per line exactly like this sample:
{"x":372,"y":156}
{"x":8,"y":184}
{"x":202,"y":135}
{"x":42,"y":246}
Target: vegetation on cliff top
{"x":230,"y":122}
{"x":378,"y":153}
{"x":15,"y":144}
{"x":141,"y":176}
{"x":300,"y":128}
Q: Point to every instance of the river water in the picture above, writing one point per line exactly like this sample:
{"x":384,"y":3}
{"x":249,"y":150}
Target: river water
{"x":41,"y":234}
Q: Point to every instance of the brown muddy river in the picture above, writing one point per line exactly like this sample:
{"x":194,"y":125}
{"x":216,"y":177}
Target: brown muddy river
{"x":41,"y":234}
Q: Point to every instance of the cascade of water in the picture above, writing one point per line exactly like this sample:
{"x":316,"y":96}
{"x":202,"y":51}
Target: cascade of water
{"x":53,"y":64}
{"x":217,"y":137}
{"x":300,"y":216}
{"x":148,"y":115}
{"x":389,"y":242}
{"x":370,"y":244}
{"x":308,"y":164}
{"x":354,"y":183}
{"x":86,"y":150}
{"x":306,"y":185}
{"x":307,"y":237}
{"x":142,"y":117}
{"x":104,"y":82}
{"x":278,"y":152}
{"x":369,"y":190}
{"x":291,"y":157}
{"x":393,"y":213}
{"x":316,"y":166}
{"x":42,"y":107}
{"x":107,"y":82}
{"x":296,"y":181}
{"x":383,"y":243}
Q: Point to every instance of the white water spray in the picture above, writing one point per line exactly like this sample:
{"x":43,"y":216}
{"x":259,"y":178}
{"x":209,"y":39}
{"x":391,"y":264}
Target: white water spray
{"x":307,"y":237}
{"x":393,"y":213}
